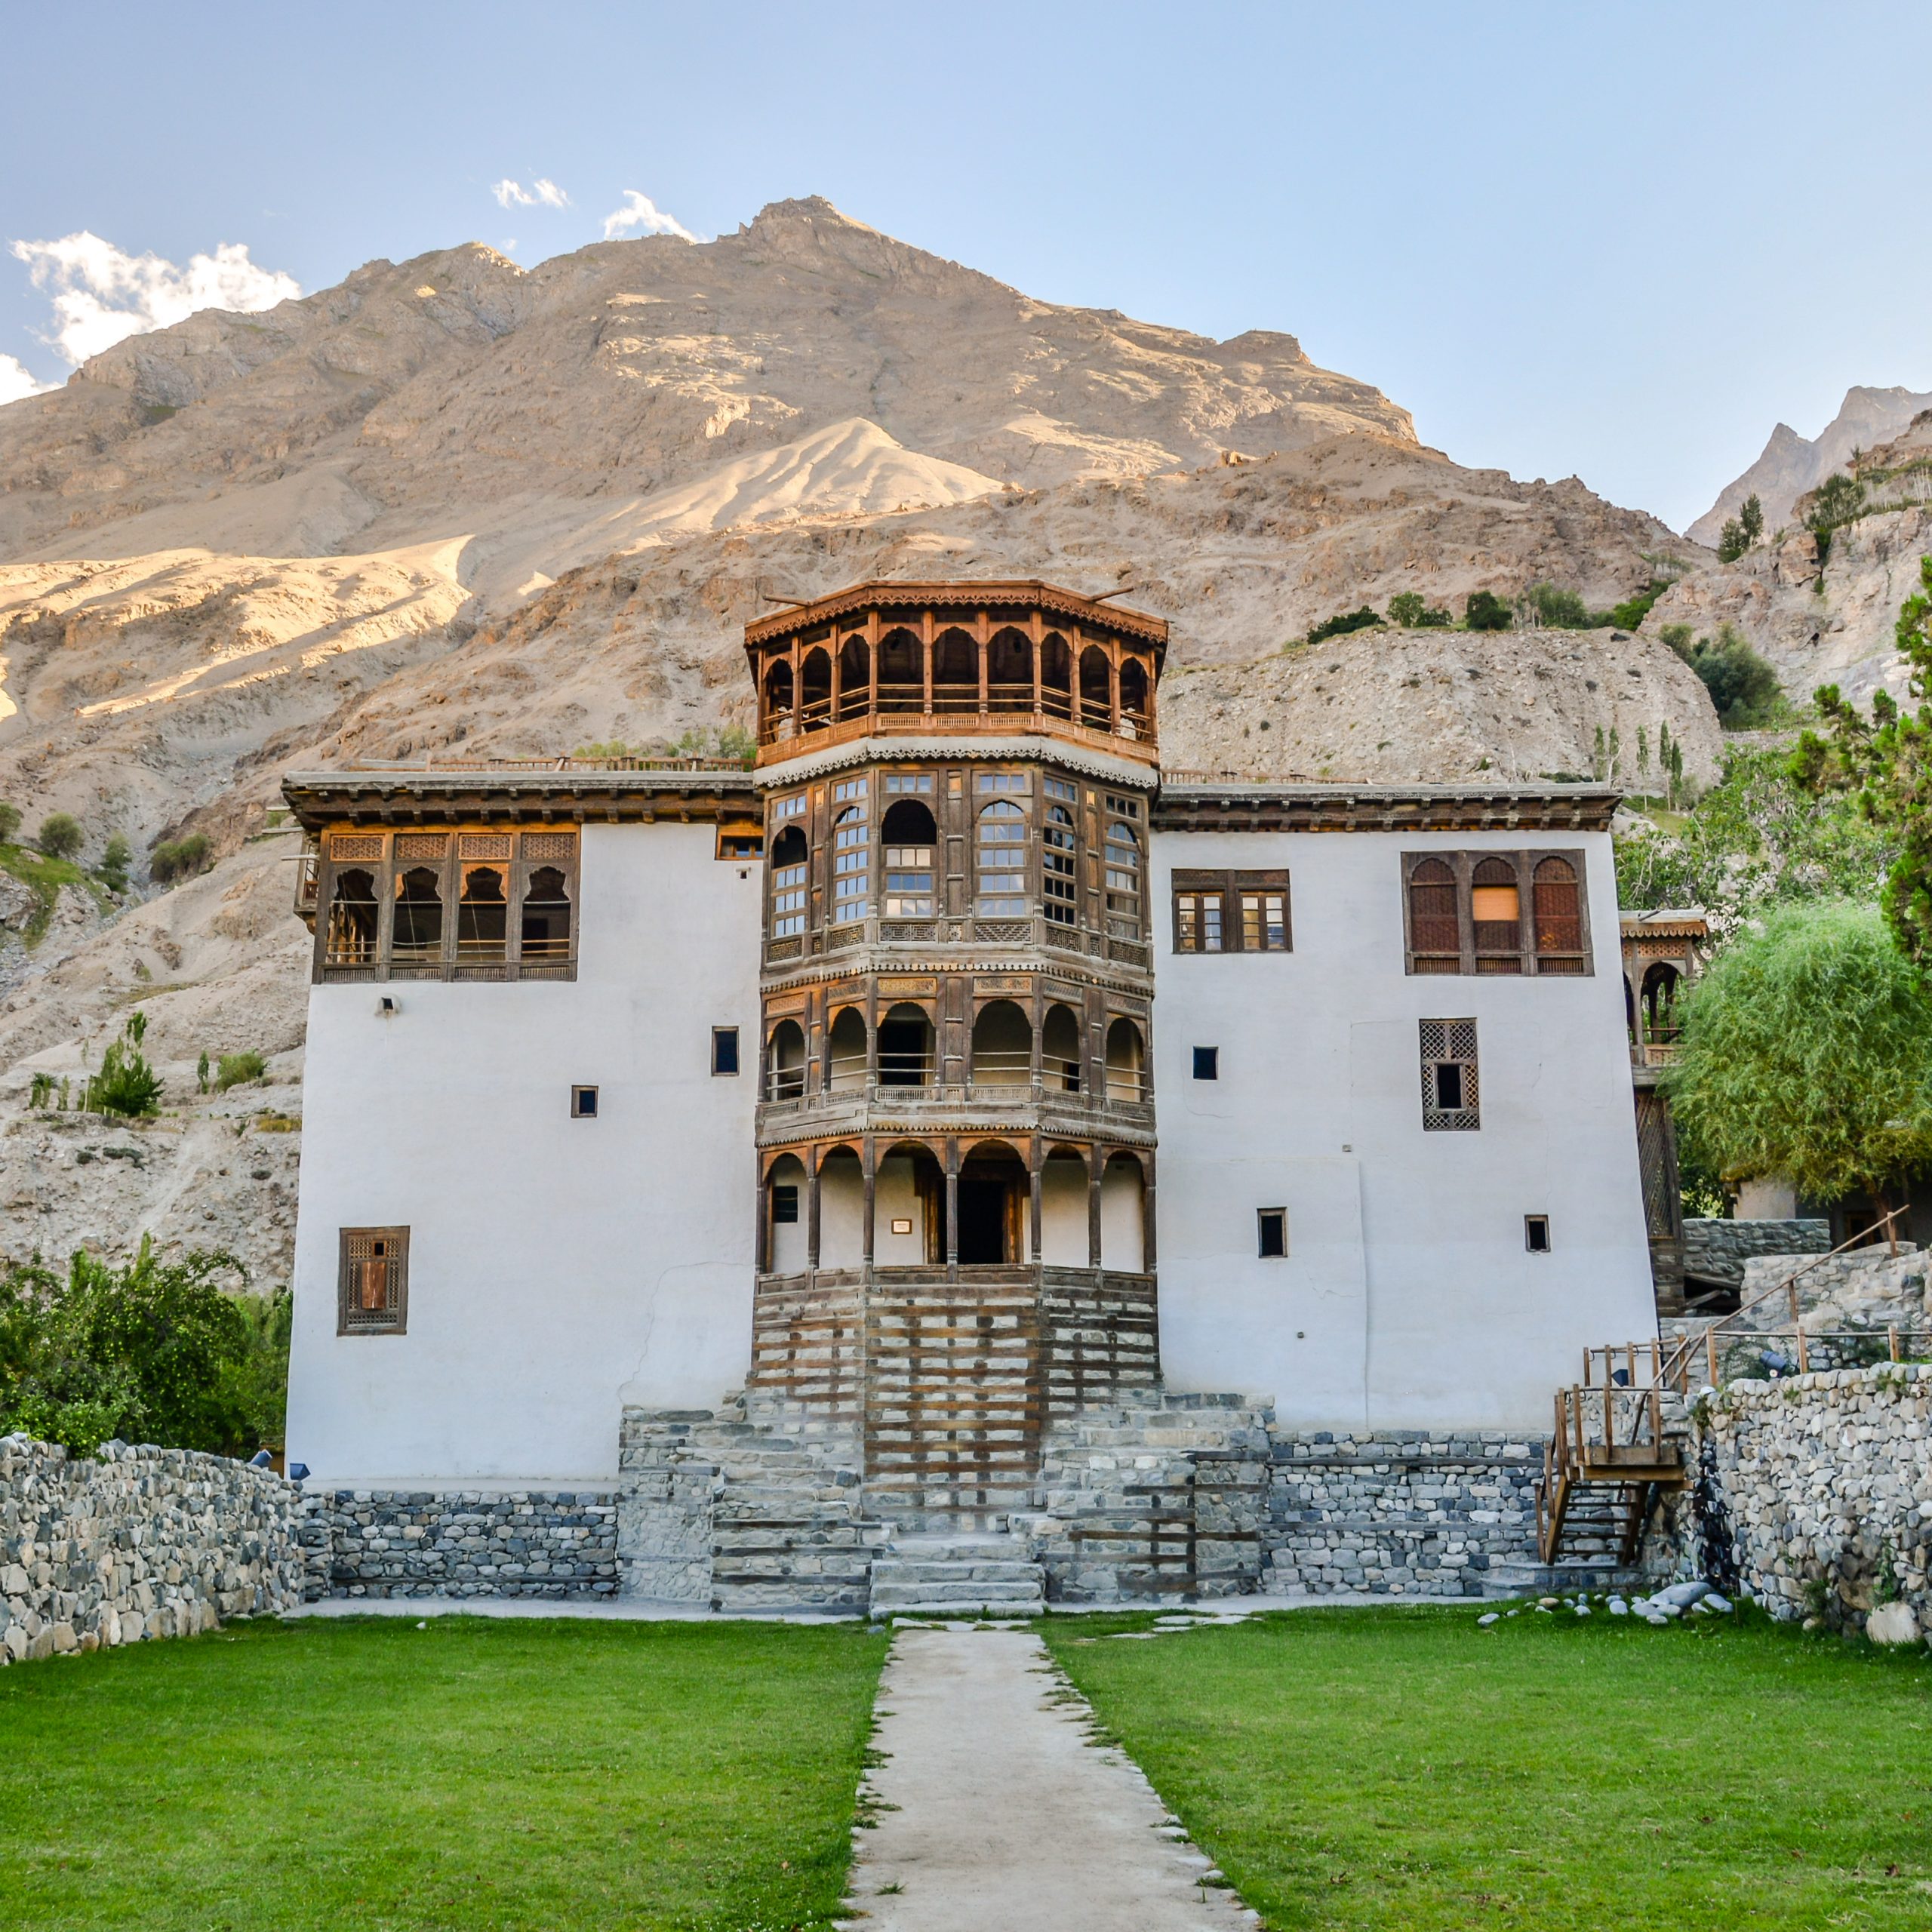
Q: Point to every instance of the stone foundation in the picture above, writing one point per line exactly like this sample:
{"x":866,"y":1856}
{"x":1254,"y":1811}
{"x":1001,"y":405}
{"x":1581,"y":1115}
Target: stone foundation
{"x":137,"y":1543}
{"x":1720,"y":1249}
{"x":461,"y":1543}
{"x":1406,"y":1513}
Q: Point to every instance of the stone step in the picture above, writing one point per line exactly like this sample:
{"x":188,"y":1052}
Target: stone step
{"x":890,"y":1596}
{"x":886,"y":1570}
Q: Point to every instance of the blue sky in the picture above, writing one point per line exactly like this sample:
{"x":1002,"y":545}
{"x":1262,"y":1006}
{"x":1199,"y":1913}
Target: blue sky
{"x":1617,"y":241}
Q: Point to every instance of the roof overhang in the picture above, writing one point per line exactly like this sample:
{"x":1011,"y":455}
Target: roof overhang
{"x":968,"y":595}
{"x":513,"y":794}
{"x":1236,"y":806}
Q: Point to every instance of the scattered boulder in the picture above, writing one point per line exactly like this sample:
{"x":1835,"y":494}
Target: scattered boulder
{"x":1891,"y":1624}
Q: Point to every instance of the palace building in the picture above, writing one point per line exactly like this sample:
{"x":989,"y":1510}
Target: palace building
{"x":950,"y":1079}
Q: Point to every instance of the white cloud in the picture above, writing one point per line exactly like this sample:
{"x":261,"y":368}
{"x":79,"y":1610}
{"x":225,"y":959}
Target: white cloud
{"x":540,"y":193}
{"x":641,"y":212}
{"x":102,"y":295}
{"x":16,"y":380}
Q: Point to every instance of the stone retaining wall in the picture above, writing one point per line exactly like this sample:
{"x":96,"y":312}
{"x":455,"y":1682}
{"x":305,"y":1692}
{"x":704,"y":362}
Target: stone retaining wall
{"x":1812,"y":1489}
{"x":1407,"y":1512}
{"x":136,"y":1543}
{"x":365,"y":1542}
{"x":1722,"y":1248}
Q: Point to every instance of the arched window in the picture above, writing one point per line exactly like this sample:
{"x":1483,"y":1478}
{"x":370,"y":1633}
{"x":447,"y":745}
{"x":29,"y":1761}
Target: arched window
{"x":855,"y":671}
{"x":1435,"y":944}
{"x":1123,"y":879}
{"x":1659,"y":1004}
{"x":1060,"y":1050}
{"x":1496,"y":915}
{"x":851,"y":865}
{"x":1002,"y":861}
{"x":1056,"y":676}
{"x":1127,"y":1061}
{"x":789,"y":856}
{"x":815,"y":690}
{"x":352,"y":924}
{"x":845,"y":1069}
{"x":1097,"y":690}
{"x":1060,"y":866}
{"x":1002,"y":1046}
{"x":905,"y":1046}
{"x":545,"y":926}
{"x":1135,"y":721}
{"x":909,"y":837}
{"x":419,"y":916}
{"x":901,"y":671}
{"x":1009,"y":670}
{"x":482,"y":915}
{"x":778,"y":720}
{"x":1559,"y":918}
{"x":784,"y":1062}
{"x":956,"y":671}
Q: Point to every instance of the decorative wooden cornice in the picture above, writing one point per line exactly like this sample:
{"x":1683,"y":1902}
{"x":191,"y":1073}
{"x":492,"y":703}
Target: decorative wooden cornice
{"x":1076,"y":751}
{"x":1088,"y":612}
{"x":1240,"y":806}
{"x":516,"y":794}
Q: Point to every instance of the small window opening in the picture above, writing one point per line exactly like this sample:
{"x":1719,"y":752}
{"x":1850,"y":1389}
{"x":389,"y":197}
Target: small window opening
{"x":1448,"y":1086}
{"x":1272,"y":1227}
{"x":1536,"y":1233}
{"x":583,"y":1103}
{"x":723,"y":1049}
{"x":784,"y":1203}
{"x":1207,"y":1062}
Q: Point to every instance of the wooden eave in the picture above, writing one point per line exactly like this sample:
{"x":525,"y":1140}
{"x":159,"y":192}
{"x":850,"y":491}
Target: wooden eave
{"x":1244,"y":807}
{"x":319,"y":799}
{"x":970,"y":595}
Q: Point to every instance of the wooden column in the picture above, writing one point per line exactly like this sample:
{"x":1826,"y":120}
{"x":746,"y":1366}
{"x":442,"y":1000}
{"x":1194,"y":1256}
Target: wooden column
{"x":1147,"y":1221}
{"x":980,"y":630}
{"x":1039,"y":701}
{"x":1113,"y":688}
{"x":811,"y":1211}
{"x":1073,"y":646}
{"x":952,"y":1208}
{"x":1094,"y":1169}
{"x":1035,"y":1161}
{"x":837,"y":648}
{"x":926,"y":652}
{"x":869,"y":1157}
{"x":872,"y":664}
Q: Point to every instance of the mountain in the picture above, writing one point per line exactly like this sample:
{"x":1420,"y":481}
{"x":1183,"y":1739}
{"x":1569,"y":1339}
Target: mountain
{"x":1790,"y":465}
{"x":451,"y":503}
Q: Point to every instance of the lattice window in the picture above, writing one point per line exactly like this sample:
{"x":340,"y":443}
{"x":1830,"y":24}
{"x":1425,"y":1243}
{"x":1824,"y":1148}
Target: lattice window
{"x":346,"y":846}
{"x":1559,"y":918}
{"x":1002,"y":859}
{"x":851,"y":864}
{"x":419,"y":845}
{"x":553,"y":846}
{"x":487,"y":844}
{"x":1060,"y":864}
{"x":373,"y":1281}
{"x":1496,"y":915}
{"x":1451,"y":1098}
{"x":1511,"y":913}
{"x":1435,"y":939}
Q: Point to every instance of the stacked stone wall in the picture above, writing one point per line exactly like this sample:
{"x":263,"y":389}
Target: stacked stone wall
{"x":1404,"y":1513}
{"x":1815,"y":1493}
{"x":137,"y":1543}
{"x":462,"y":1543}
{"x":1714,"y":1247}
{"x":664,"y":1507}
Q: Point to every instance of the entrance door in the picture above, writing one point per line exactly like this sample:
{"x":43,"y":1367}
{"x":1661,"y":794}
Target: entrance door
{"x":983,"y":1218}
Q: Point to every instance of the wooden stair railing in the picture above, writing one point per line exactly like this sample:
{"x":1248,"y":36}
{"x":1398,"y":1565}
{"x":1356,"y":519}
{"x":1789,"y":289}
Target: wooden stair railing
{"x":1607,"y":1455}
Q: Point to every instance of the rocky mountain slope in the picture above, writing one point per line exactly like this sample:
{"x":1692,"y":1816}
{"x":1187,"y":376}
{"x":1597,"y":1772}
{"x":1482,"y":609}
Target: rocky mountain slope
{"x":1792,"y":464}
{"x":450,"y":503}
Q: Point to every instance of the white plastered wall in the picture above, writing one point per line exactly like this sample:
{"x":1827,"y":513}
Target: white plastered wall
{"x":1408,"y":1297}
{"x":558,"y":1268}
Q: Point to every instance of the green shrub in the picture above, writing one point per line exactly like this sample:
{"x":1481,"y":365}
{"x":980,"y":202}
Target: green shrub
{"x":116,"y":858}
{"x":181,"y":858}
{"x":1485,"y":611}
{"x":1732,"y":542}
{"x":126,"y":1084}
{"x":1743,"y":688}
{"x":10,"y":822}
{"x":1558,"y":610}
{"x":59,"y":836}
{"x":1340,"y":626}
{"x":1632,"y":612}
{"x":1407,"y":609}
{"x":145,"y":1351}
{"x":233,"y":1070}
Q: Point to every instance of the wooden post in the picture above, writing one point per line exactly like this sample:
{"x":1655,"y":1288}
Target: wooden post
{"x":926,"y":636}
{"x":1093,"y":1207}
{"x":1711,"y":1352}
{"x":981,"y":629}
{"x":811,"y":1212}
{"x":1036,"y":1156}
{"x":872,"y":663}
{"x":1892,"y":1342}
{"x":1798,"y":1327}
{"x":1039,"y":700}
{"x":868,"y":1156}
{"x":952,"y":1208}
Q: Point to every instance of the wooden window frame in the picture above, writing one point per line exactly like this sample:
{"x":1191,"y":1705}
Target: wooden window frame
{"x":578,"y":1110}
{"x":450,"y":850}
{"x":395,"y":1314}
{"x":1450,"y":1043}
{"x":1228,"y":888}
{"x":1524,"y":961}
{"x":1533,"y":1226}
{"x":718,"y":1035}
{"x":1262,"y":1216}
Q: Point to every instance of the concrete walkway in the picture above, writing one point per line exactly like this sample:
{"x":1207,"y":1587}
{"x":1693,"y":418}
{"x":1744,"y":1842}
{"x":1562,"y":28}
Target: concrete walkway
{"x":1007,"y":1818}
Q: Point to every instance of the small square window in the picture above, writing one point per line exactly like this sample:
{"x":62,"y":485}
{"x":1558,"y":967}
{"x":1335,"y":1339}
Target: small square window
{"x":723,"y":1049}
{"x":583,"y":1103}
{"x":1536,"y":1233}
{"x":1448,"y":1086}
{"x":1207,"y":1062}
{"x":1272,"y":1225}
{"x":785,"y":1204}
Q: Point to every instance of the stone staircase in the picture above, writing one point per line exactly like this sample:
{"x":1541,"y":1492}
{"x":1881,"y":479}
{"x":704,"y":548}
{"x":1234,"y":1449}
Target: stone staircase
{"x":962,"y":1575}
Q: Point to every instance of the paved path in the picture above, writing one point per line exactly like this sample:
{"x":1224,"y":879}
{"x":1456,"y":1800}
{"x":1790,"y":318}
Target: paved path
{"x":1008,"y":1819}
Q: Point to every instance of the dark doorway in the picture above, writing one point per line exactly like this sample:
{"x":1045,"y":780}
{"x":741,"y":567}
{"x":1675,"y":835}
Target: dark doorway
{"x":982,"y":1221}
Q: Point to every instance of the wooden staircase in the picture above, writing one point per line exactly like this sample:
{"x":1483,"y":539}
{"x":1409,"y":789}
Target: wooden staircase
{"x":1606,"y":1459}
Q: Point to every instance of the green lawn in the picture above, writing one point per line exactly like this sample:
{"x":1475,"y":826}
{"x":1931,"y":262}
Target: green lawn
{"x":474,"y":1773}
{"x":1404,"y":1769}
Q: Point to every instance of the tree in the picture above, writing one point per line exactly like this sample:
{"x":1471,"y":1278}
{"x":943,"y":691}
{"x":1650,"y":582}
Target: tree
{"x":10,"y":822}
{"x":180,"y":858}
{"x":1743,"y":686}
{"x":1339,"y":626}
{"x":126,"y":1084}
{"x":1485,"y":611}
{"x":1406,"y":608}
{"x":116,"y":858}
{"x":201,"y":1072}
{"x":1732,"y":542}
{"x":1558,"y":610}
{"x":1806,"y":1053}
{"x":145,"y":1351}
{"x":1751,"y":520}
{"x":1888,"y":762}
{"x":60,"y":835}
